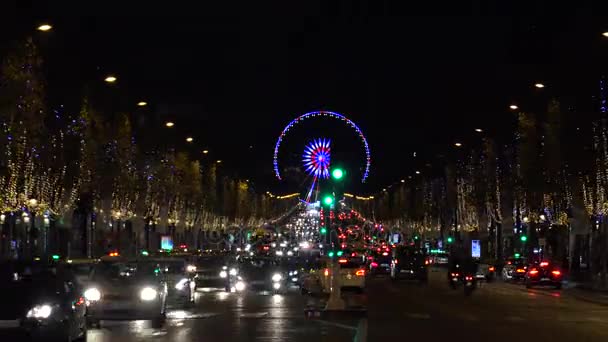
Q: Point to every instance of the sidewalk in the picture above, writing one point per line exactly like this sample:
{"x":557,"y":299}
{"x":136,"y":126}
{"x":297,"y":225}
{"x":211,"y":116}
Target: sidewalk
{"x":586,"y":292}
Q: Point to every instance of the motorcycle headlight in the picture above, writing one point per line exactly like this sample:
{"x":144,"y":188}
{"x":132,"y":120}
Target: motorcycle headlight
{"x":223,"y":274}
{"x":40,"y":311}
{"x":92,"y":294}
{"x":233,"y":271}
{"x":276,"y":277}
{"x":181,"y":284}
{"x":148,"y":294}
{"x":239,"y":286}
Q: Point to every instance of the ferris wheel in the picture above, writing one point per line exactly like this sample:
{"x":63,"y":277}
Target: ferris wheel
{"x":316,"y":157}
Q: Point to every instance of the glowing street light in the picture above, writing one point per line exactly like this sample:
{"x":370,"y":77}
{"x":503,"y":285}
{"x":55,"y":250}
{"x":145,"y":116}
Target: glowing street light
{"x":478,"y":130}
{"x":219,"y":161}
{"x":142,"y":103}
{"x":458,"y":144}
{"x":513,"y":107}
{"x":44,"y":27}
{"x":403,"y":181}
{"x":417,"y":172}
{"x":539,"y":85}
{"x":605,"y":34}
{"x":205,"y":151}
{"x":169,"y":124}
{"x":189,"y":139}
{"x":110,"y":79}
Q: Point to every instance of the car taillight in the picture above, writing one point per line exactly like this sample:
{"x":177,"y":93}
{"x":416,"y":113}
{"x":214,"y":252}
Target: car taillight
{"x":374,"y":264}
{"x":491,"y":268}
{"x":533,"y":272}
{"x":520,"y":270}
{"x":454,"y":274}
{"x":426,"y":262}
{"x":544,"y":264}
{"x":326,"y":272}
{"x":360,"y":272}
{"x":353,"y":254}
{"x":469,"y":278}
{"x":556,"y":273}
{"x":396,"y":261}
{"x":342,"y":261}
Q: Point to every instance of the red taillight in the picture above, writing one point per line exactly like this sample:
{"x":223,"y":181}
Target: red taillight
{"x":266,"y":248}
{"x":520,"y":270}
{"x":353,"y":254}
{"x":544,"y":264}
{"x":491,"y":268}
{"x":556,"y":273}
{"x":426,"y":262}
{"x":396,"y":261}
{"x":80,"y":301}
{"x":360,"y":272}
{"x":374,"y":264}
{"x":342,"y":261}
{"x":469,"y":278}
{"x":533,"y":272}
{"x":326,"y":272}
{"x":370,"y":258}
{"x":455,"y":274}
{"x":509,"y":263}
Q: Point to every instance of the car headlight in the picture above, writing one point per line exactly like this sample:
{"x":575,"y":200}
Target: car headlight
{"x":92,"y":294}
{"x":223,"y":274}
{"x":239,"y":286}
{"x":181,"y":284}
{"x":276,"y":286}
{"x":276,"y":277}
{"x":148,"y":294}
{"x":191,"y":268}
{"x":233,"y":271}
{"x":40,"y":311}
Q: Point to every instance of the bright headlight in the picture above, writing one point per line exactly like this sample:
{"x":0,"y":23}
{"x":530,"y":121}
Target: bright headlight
{"x":223,"y":274}
{"x":92,"y":295}
{"x":191,"y":268}
{"x":276,"y":277}
{"x":239,"y":286}
{"x":40,"y":311}
{"x":148,"y":294}
{"x":276,"y":286}
{"x":181,"y":284}
{"x":233,"y":271}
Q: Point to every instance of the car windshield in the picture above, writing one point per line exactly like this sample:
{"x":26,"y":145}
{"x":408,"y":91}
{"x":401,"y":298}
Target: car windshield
{"x":124,"y":271}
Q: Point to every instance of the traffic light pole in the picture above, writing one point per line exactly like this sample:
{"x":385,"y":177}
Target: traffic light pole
{"x":335,"y":301}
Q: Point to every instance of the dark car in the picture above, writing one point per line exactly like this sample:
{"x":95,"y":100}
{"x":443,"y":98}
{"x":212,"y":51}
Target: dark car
{"x":215,"y":272}
{"x":263,"y":274}
{"x":518,"y":271}
{"x":40,"y":304}
{"x":122,"y":290}
{"x":379,"y":262}
{"x":179,"y":276}
{"x":544,"y":273}
{"x":409,"y":263}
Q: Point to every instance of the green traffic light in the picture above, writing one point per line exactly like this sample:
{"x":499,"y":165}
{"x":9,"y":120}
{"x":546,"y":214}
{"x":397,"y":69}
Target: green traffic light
{"x":55,"y":257}
{"x":328,"y":200}
{"x":330,"y":254}
{"x":416,"y":237}
{"x":450,"y":239}
{"x":523,"y":238}
{"x":517,"y":255}
{"x":340,"y":253}
{"x":337,"y":174}
{"x":323,"y":230}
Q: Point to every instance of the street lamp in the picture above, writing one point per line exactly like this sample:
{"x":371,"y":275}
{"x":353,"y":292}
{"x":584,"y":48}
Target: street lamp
{"x":205,"y":151}
{"x":189,"y":139}
{"x":417,"y":172}
{"x":169,"y":124}
{"x":403,"y":181}
{"x":458,"y":144}
{"x":478,"y":130}
{"x":605,"y":34}
{"x":513,"y":107}
{"x":219,"y":161}
{"x":142,"y":103}
{"x":539,"y":85}
{"x":110,"y":79}
{"x":44,"y":27}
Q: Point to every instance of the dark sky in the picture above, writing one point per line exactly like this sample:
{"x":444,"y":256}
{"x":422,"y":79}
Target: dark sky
{"x":235,"y":76}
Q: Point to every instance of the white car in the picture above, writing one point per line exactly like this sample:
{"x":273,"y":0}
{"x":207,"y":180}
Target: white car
{"x":351,"y":275}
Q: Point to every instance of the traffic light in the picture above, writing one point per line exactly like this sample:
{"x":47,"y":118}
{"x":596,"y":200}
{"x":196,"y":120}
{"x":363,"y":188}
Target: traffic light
{"x":323,"y":230}
{"x":330,"y":254}
{"x":517,"y":255}
{"x":55,"y":257}
{"x":416,"y":237}
{"x":450,"y":239}
{"x":523,"y":238}
{"x":337,"y":173}
{"x":328,"y":200}
{"x":339,"y":253}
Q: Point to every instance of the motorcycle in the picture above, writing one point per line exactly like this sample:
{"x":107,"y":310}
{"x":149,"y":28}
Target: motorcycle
{"x":470,"y":283}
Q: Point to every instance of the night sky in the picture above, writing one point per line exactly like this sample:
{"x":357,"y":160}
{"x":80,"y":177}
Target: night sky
{"x":234,"y":77}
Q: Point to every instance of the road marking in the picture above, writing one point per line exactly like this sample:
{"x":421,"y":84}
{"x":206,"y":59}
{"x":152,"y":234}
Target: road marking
{"x":252,"y":314}
{"x":417,"y":315}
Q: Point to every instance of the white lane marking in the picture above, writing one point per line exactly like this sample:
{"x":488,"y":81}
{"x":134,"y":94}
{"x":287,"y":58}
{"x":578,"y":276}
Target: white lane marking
{"x":417,"y":315}
{"x":252,"y":314}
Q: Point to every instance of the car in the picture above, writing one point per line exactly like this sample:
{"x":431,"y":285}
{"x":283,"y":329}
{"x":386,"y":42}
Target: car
{"x":409,"y":263}
{"x":126,"y":290}
{"x":440,"y":259}
{"x":542,"y":274}
{"x":516,"y":272}
{"x":215,"y":272}
{"x":351,"y":274}
{"x":379,"y":262}
{"x":485,"y":272}
{"x":40,"y":303}
{"x":179,"y":276}
{"x":81,"y":268}
{"x":263,"y":274}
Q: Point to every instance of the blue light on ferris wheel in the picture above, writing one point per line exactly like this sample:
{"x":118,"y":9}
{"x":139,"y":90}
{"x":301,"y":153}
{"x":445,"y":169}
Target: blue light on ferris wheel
{"x":316,"y":158}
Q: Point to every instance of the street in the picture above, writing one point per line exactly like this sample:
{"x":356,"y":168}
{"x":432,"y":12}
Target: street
{"x":433,"y":312}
